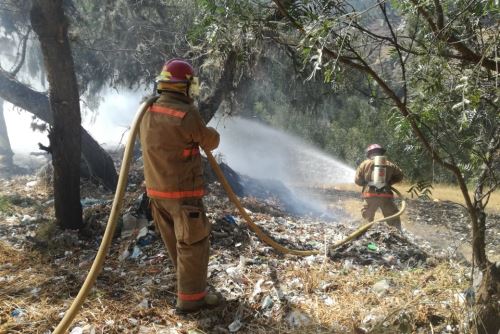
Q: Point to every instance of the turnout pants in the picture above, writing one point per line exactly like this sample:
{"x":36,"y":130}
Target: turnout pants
{"x":185,"y":231}
{"x":387,"y":205}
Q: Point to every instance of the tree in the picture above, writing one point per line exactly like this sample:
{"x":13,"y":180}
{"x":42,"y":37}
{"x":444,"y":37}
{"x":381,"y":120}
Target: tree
{"x":50,"y":24}
{"x":6,"y":154}
{"x":26,"y":66}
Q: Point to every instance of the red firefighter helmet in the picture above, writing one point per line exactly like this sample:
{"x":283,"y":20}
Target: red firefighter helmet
{"x":176,"y":70}
{"x":372,"y":148}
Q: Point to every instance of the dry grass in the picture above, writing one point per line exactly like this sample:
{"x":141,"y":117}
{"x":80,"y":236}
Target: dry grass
{"x":440,"y":192}
{"x":415,"y":297}
{"x":334,"y":298}
{"x":41,"y":290}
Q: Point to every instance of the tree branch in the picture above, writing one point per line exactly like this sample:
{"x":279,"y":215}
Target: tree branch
{"x":24,"y":43}
{"x":401,"y":61}
{"x":455,"y":43}
{"x":364,"y":67}
{"x":439,"y":14}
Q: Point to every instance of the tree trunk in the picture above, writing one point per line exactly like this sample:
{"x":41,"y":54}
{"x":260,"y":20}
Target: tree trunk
{"x":6,"y":154}
{"x":208,"y":107}
{"x":488,"y":295}
{"x":98,"y":160}
{"x":50,"y":24}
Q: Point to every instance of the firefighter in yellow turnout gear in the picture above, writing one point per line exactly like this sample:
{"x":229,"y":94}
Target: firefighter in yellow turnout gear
{"x":376,"y":175}
{"x":171,"y":133}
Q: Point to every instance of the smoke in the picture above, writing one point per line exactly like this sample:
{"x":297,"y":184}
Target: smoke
{"x":107,"y":125}
{"x":110,"y":124}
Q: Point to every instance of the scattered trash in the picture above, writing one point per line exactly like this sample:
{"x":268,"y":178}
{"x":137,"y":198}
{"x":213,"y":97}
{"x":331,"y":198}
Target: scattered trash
{"x":460,"y":298}
{"x":136,"y":253}
{"x":92,"y":201}
{"x":18,"y":312}
{"x":329,"y":301}
{"x":381,"y":287}
{"x":145,"y":237}
{"x":76,"y":330}
{"x":257,"y":289}
{"x":230,"y":219}
{"x":31,"y":184}
{"x":326,"y":287}
{"x":142,"y":233}
{"x":124,"y":255}
{"x":130,"y":224}
{"x":235,"y":326}
{"x":49,"y":202}
{"x":470,"y":296}
{"x":144,"y":304}
{"x":267,"y":303}
{"x":269,"y":288}
{"x":347,"y":265}
{"x":27,"y":219}
{"x":297,"y":319}
{"x":235,"y":273}
{"x":34,"y":292}
{"x":390,"y":259}
{"x":369,"y":321}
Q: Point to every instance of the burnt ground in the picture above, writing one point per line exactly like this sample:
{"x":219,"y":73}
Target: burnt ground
{"x":384,"y":282}
{"x":443,"y":227}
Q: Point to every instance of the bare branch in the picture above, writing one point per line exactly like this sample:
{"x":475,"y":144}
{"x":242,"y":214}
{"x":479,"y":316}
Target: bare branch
{"x":401,"y":61}
{"x":24,"y":44}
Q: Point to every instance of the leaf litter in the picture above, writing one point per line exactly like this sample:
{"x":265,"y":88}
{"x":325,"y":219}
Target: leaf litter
{"x":383,"y":282}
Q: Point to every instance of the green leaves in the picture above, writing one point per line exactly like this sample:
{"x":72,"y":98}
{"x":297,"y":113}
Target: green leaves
{"x":421,"y":189}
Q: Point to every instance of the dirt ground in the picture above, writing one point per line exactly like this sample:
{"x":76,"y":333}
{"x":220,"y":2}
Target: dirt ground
{"x":384,"y":282}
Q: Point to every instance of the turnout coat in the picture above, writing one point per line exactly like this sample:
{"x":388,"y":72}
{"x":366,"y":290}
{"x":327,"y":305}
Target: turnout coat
{"x":171,"y":134}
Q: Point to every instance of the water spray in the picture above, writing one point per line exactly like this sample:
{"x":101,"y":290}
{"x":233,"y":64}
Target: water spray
{"x":118,"y":201}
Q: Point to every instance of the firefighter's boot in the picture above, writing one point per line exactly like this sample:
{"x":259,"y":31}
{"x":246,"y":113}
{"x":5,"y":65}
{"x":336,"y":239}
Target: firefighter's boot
{"x":211,"y":300}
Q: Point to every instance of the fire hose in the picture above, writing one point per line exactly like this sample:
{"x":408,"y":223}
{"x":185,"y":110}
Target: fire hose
{"x":118,"y":201}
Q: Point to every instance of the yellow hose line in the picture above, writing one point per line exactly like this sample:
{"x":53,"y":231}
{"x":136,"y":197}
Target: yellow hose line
{"x":110,"y":228}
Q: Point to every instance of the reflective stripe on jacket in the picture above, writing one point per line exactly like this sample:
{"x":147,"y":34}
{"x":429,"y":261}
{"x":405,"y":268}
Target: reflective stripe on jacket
{"x":377,"y":194}
{"x":171,"y":132}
